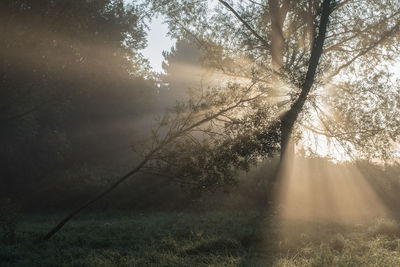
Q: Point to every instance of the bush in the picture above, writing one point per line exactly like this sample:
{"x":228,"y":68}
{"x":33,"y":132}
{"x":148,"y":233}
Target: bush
{"x":385,"y":227}
{"x":338,"y":243}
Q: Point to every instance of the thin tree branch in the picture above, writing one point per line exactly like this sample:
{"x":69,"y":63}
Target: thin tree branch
{"x":395,"y":29}
{"x":261,"y":39}
{"x":168,"y":139}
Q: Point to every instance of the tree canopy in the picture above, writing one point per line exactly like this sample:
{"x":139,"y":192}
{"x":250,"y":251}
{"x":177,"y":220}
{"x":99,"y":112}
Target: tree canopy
{"x":352,"y":103}
{"x":72,"y":79}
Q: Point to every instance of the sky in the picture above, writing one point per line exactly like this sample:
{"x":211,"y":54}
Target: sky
{"x":157,"y":42}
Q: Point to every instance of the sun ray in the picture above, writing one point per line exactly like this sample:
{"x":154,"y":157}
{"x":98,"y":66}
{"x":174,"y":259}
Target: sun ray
{"x":318,"y":190}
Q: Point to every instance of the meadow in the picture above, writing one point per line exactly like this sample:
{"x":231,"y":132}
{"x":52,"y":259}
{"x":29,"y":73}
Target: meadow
{"x":200,"y":238}
{"x":290,"y":105}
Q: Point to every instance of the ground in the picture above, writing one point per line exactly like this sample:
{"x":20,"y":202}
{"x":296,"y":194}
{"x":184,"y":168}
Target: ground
{"x":200,"y":239}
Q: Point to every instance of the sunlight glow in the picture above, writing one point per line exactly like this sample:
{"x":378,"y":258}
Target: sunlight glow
{"x":314,"y":190}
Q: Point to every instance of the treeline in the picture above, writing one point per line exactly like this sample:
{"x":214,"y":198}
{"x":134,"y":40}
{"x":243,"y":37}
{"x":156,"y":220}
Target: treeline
{"x":72,"y":89}
{"x":75,"y":96}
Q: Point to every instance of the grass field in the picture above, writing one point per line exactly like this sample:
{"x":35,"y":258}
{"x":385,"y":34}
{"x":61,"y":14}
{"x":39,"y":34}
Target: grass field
{"x":200,"y":239}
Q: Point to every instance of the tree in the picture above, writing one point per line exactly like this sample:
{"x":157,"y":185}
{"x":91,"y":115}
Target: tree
{"x":183,"y":71}
{"x":69,"y":71}
{"x":284,"y":65}
{"x":279,"y":43}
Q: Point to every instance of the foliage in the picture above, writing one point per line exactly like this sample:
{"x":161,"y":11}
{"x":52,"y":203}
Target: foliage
{"x":187,"y":145}
{"x":352,"y":102}
{"x":183,"y":71}
{"x":385,"y":227}
{"x":72,"y":80}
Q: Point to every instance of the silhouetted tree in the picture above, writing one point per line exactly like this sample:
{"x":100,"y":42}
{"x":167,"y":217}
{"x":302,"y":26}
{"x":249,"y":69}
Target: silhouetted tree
{"x":183,"y":70}
{"x":326,"y":63}
{"x":72,"y":83}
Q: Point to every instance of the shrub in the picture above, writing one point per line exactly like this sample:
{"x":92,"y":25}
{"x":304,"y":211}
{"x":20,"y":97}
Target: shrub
{"x":337,"y":243}
{"x":385,"y":227}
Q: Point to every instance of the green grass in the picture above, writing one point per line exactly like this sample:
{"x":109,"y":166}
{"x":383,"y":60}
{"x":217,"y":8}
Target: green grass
{"x":200,"y":239}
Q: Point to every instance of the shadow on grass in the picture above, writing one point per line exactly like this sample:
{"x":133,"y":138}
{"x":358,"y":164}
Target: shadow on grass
{"x":262,"y":243}
{"x":256,"y":243}
{"x":218,"y":246}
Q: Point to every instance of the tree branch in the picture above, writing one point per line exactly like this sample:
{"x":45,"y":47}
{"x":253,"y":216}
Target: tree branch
{"x":148,"y":157}
{"x":261,"y":39}
{"x":395,"y":29}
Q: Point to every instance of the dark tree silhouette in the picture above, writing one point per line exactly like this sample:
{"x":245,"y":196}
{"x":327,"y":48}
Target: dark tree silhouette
{"x":72,"y":85}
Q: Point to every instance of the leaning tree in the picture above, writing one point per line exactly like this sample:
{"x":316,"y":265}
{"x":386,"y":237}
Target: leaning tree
{"x":281,"y":70}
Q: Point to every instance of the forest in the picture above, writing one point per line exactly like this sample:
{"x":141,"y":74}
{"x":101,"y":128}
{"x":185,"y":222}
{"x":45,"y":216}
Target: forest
{"x":271,"y":136}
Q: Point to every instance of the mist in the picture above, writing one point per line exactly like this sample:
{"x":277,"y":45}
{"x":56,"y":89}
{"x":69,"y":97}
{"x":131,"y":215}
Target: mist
{"x":269,"y":138}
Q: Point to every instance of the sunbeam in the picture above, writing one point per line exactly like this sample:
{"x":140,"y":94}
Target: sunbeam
{"x":317,"y":190}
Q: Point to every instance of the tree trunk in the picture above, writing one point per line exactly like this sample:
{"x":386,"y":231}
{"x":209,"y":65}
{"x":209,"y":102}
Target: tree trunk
{"x":289,"y":118}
